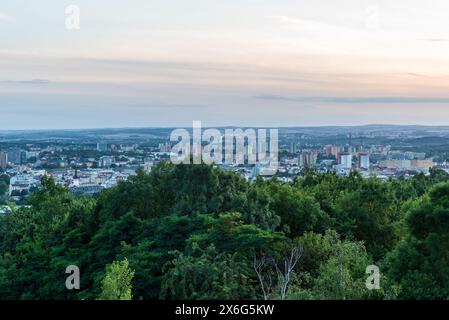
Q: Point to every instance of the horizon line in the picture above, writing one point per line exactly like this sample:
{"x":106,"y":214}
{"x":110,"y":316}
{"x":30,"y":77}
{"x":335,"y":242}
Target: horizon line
{"x":229,"y":126}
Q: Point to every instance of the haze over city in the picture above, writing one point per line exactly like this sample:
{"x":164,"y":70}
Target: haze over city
{"x":165,"y":63}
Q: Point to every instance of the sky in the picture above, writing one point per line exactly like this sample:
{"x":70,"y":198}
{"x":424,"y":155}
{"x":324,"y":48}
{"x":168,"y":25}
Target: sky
{"x":252,"y":63}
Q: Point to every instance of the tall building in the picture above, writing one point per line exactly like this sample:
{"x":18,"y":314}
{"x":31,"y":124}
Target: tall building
{"x":345,"y":160}
{"x":307,"y":159}
{"x":106,"y":161}
{"x":292,"y":147}
{"x":14,"y":156}
{"x":363,"y":161}
{"x":102,"y":147}
{"x":23,"y":157}
{"x":335,"y":150}
{"x":3,"y":160}
{"x":17,"y":156}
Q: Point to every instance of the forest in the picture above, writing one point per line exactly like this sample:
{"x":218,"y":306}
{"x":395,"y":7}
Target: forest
{"x":197,"y":232}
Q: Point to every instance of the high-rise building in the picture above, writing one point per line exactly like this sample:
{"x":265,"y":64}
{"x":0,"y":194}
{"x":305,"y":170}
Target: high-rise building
{"x":363,"y":161}
{"x":23,"y":157}
{"x":102,"y":147}
{"x":292,"y":147}
{"x":17,"y":156}
{"x":307,"y":159}
{"x":345,"y":160}
{"x":3,"y":160}
{"x":106,"y":161}
{"x":335,"y":150}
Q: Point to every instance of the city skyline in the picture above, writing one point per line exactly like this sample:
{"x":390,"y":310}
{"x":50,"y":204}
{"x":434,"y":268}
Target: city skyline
{"x":233,"y":63}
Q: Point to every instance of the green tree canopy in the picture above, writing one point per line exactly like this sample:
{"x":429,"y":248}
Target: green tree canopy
{"x":117,"y":281}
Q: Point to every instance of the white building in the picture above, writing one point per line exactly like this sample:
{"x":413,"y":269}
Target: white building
{"x":346,"y":160}
{"x":364,"y":162}
{"x":106,"y":161}
{"x":23,"y":182}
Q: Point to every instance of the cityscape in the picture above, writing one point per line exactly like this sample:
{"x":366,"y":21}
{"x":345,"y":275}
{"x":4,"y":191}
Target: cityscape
{"x":87,"y":167}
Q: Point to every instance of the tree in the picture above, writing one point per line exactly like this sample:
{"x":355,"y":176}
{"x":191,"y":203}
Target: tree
{"x":437,"y":175}
{"x":207,"y":274}
{"x":367,"y":214}
{"x":335,"y":269}
{"x":4,"y":184}
{"x":420,"y":263}
{"x":342,"y":276}
{"x":317,"y":249}
{"x":190,"y":233}
{"x":229,"y":233}
{"x":149,"y":250}
{"x":283,"y":265}
{"x":117,"y":281}
{"x":263,"y":267}
{"x":299,"y":211}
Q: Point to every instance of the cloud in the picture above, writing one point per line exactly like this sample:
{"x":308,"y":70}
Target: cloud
{"x":314,"y":26}
{"x":353,"y":100}
{"x":434,"y":39}
{"x":32,"y":81}
{"x":305,"y":24}
{"x":173,"y":107}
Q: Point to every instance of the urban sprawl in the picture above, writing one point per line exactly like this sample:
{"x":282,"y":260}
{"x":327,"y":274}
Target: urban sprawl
{"x":88,"y":168}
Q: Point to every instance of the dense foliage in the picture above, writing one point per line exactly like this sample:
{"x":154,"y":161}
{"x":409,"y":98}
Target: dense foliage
{"x":197,"y":232}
